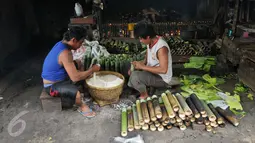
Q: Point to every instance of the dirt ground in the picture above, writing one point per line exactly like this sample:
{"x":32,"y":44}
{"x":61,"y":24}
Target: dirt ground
{"x":21,"y":89}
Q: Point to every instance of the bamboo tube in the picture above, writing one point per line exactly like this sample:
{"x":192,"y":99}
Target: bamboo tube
{"x":135,"y":116}
{"x":209,"y":112}
{"x":130,"y":119}
{"x":145,"y":127}
{"x":213,"y":123}
{"x":178,"y":119}
{"x":187,"y":123}
{"x":172,"y":120}
{"x":151,"y":109}
{"x":204,"y":115}
{"x":176,"y":124}
{"x":200,"y":120}
{"x":183,"y":127}
{"x":228,"y":115}
{"x":157,"y":124}
{"x":168,"y":106}
{"x":139,"y":113}
{"x":206,"y":121}
{"x":218,"y":116}
{"x":216,"y":125}
{"x":184,"y":105}
{"x":169,"y":126}
{"x":183,"y":118}
{"x":181,"y":113}
{"x":197,"y":103}
{"x":160,"y":128}
{"x":156,"y":106}
{"x":167,"y":121}
{"x":145,"y":112}
{"x":172,"y":101}
{"x":192,"y":120}
{"x":193,"y":107}
{"x":164,"y":124}
{"x":163,"y":109}
{"x":180,"y":123}
{"x":208,"y":128}
{"x":222,"y":125}
{"x":152,"y":127}
{"x":124,"y":122}
{"x":150,"y":123}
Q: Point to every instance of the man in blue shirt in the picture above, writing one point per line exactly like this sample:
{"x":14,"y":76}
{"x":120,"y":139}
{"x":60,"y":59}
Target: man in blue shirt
{"x":59,"y":70}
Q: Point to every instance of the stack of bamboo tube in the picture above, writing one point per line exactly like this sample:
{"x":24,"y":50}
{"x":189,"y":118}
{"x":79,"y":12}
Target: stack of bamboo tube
{"x":168,"y":110}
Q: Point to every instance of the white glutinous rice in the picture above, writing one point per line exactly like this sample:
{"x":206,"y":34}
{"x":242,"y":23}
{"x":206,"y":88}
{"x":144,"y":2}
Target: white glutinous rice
{"x":105,"y":81}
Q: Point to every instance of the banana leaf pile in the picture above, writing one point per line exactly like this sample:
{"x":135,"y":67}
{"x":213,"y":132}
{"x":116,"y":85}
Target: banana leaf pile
{"x":206,"y":88}
{"x":121,"y":47}
{"x":202,"y":63}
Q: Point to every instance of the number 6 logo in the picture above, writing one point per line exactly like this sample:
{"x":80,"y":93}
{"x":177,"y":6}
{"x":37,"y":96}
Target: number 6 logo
{"x":14,"y":122}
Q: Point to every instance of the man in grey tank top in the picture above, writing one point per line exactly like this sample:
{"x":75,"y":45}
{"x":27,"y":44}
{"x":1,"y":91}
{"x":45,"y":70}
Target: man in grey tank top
{"x":156,"y":68}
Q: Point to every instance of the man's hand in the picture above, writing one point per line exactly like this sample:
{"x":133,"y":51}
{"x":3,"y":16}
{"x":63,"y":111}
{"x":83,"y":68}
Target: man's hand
{"x":138,"y":65}
{"x":95,"y":68}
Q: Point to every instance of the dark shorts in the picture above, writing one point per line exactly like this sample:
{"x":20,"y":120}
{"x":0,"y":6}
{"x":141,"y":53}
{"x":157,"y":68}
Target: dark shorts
{"x":64,"y":89}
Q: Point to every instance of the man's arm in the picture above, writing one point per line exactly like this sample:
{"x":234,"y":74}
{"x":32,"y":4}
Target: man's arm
{"x":66,"y":59}
{"x":162,"y":55}
{"x":145,"y":58}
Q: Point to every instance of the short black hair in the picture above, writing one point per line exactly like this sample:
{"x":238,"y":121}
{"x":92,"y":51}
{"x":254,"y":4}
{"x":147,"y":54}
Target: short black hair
{"x":143,"y":30}
{"x":77,"y":32}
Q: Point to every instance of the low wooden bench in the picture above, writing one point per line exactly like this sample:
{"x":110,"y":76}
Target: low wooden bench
{"x":49,"y":103}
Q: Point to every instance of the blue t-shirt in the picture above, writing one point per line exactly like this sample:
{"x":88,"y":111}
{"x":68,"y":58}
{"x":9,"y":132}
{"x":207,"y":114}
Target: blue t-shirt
{"x":52,"y":71}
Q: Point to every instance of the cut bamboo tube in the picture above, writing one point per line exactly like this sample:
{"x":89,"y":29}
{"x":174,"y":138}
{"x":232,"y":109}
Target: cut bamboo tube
{"x":157,"y":124}
{"x":151,"y":110}
{"x":163,"y":109}
{"x":222,"y":125}
{"x":124,"y":122}
{"x":172,"y":120}
{"x":228,"y":115}
{"x":183,"y":127}
{"x":206,"y":121}
{"x":139,"y":113}
{"x":216,"y":125}
{"x":208,"y":128}
{"x":183,"y":118}
{"x":213,"y":123}
{"x":209,"y":112}
{"x":167,"y":121}
{"x":187,"y":123}
{"x":197,"y":103}
{"x":135,"y":116}
{"x":150,"y":123}
{"x":218,"y":116}
{"x":145,"y":127}
{"x":184,"y":105}
{"x":193,"y":107}
{"x":152,"y":127}
{"x":164,"y":124}
{"x":200,"y":120}
{"x":156,"y":107}
{"x":168,"y":106}
{"x":181,"y":113}
{"x":130,"y":119}
{"x":161,"y":128}
{"x":169,"y":126}
{"x":178,"y":119}
{"x":192,"y":119}
{"x":145,"y":112}
{"x":172,"y":101}
{"x":204,"y":115}
{"x":180,"y":123}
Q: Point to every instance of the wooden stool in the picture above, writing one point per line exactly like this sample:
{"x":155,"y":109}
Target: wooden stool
{"x":49,"y":103}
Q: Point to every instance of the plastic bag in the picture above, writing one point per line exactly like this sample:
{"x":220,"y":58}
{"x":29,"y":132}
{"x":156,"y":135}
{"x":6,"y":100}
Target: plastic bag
{"x":78,"y":9}
{"x":79,"y":54}
{"x":137,"y":139}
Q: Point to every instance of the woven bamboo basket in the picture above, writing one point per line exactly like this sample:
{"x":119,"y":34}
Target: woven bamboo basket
{"x":106,"y":96}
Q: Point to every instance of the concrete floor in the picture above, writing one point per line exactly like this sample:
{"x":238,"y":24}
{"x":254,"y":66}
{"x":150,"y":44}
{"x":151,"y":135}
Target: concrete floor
{"x":21,"y":89}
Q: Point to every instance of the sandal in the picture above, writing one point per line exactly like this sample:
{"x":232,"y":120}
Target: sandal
{"x":86,"y":114}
